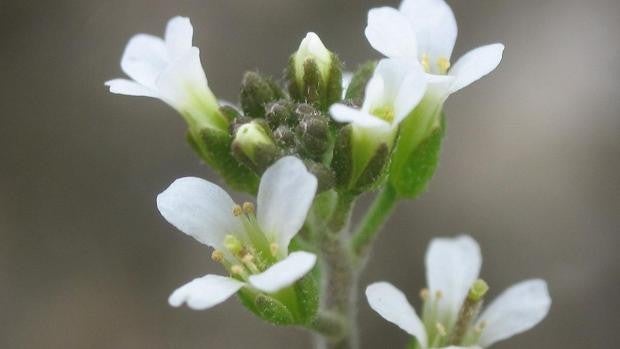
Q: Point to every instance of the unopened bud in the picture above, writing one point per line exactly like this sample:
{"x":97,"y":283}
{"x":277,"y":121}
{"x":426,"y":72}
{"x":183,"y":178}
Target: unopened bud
{"x":313,"y":136}
{"x":256,"y":92}
{"x":254,"y":146}
{"x":280,"y":113}
{"x":284,"y":136}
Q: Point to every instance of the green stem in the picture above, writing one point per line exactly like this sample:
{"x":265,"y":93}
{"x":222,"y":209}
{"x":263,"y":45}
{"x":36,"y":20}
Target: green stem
{"x":376,"y":216}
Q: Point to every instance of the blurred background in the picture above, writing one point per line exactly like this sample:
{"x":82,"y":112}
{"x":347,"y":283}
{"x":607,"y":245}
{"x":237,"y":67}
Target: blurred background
{"x":530,"y":169}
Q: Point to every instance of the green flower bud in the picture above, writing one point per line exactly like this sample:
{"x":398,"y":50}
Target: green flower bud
{"x":313,"y":136}
{"x":254,"y":146}
{"x":280,"y":113}
{"x":324,"y":175}
{"x":284,"y":136}
{"x":256,"y":92}
{"x":315,"y":73}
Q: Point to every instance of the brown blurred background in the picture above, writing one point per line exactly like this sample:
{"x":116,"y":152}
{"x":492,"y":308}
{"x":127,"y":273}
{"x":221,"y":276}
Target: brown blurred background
{"x":530,"y":169}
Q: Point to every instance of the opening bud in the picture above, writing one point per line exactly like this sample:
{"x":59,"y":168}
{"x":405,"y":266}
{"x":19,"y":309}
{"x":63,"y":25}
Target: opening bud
{"x":256,"y":92}
{"x":254,"y":147}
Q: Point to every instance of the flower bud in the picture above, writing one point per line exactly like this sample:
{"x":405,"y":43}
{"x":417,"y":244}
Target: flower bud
{"x":313,"y":135}
{"x":284,"y":136}
{"x":314,"y":73}
{"x":280,"y":113}
{"x":254,"y":146}
{"x":256,"y":92}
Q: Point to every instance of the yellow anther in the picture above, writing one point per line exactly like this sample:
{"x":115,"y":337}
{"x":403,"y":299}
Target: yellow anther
{"x":441,"y":330}
{"x":248,"y":207}
{"x":273,"y":248}
{"x":248,"y":258}
{"x":425,"y":294}
{"x":217,"y":256}
{"x":443,"y":64}
{"x":233,"y":244}
{"x":237,"y":211}
{"x":237,"y":269}
{"x":425,"y":63}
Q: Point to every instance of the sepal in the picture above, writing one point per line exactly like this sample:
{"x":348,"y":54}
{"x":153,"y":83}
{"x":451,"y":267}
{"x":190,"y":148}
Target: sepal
{"x":357,"y":87}
{"x":256,"y":92}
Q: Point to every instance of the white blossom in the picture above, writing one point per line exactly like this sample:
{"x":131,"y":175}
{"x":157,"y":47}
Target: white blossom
{"x":251,"y":243}
{"x":452,"y":267}
{"x":169,"y":69}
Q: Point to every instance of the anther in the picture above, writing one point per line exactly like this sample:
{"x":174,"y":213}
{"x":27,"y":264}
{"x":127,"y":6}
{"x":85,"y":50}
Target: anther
{"x":237,"y":211}
{"x":248,"y":207}
{"x":443,"y":64}
{"x":425,"y":63}
{"x":217,"y":256}
{"x":273,"y":248}
{"x":425,"y":294}
{"x":441,"y":330}
{"x":237,"y":269}
{"x":233,"y":244}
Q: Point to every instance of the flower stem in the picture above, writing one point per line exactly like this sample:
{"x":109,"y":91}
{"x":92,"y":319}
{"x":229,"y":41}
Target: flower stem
{"x":374,"y":219}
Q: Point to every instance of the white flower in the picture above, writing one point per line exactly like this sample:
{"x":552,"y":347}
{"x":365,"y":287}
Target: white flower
{"x":425,"y":31}
{"x":452,"y":267}
{"x":312,"y":47}
{"x":391,"y":94}
{"x":252,"y":247}
{"x":169,"y":69}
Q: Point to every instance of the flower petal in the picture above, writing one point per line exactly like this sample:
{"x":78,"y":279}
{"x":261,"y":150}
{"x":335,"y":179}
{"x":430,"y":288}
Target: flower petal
{"x":389,"y":32}
{"x":145,"y":57}
{"x":516,"y":310}
{"x":434,"y":25}
{"x":284,"y":197}
{"x":411,"y":91}
{"x":344,"y":113}
{"x":284,"y":273}
{"x":205,"y":292}
{"x":178,"y":37}
{"x":452,"y":266}
{"x":129,"y":88}
{"x":475,"y":64}
{"x":393,"y":306}
{"x":200,"y":209}
{"x":183,"y":83}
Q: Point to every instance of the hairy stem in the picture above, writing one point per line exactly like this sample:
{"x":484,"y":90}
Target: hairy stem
{"x":374,"y":219}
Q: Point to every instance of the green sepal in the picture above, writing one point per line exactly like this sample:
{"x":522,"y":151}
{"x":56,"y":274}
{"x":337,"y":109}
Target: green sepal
{"x":357,"y":87}
{"x":324,"y":175}
{"x":374,"y":172}
{"x":307,"y":289}
{"x":266,"y":307}
{"x":342,"y":162}
{"x":413,"y":169}
{"x":213,"y":147}
{"x":312,"y":84}
{"x":333,"y":88}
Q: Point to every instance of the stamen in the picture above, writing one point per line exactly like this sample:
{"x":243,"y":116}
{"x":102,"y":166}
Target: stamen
{"x":233,"y":244}
{"x":443,"y":64}
{"x":273,"y":248}
{"x":469,"y":310}
{"x":217,"y":256}
{"x":425,"y":63}
{"x":425,"y":294}
{"x":237,"y":210}
{"x":441,"y":329}
{"x":248,"y":207}
{"x":239,"y":271}
{"x":248,"y":261}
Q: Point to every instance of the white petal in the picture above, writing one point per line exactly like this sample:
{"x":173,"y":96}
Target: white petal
{"x":393,"y":306}
{"x":129,"y":88}
{"x":200,"y":209}
{"x":184,"y":85}
{"x":389,"y":32}
{"x":284,"y":273}
{"x":411,"y":89}
{"x":452,"y":266}
{"x":434,"y":25}
{"x":344,"y":113}
{"x":284,"y":197}
{"x":516,"y":310}
{"x":205,"y":292}
{"x":145,"y":57}
{"x":179,"y":32}
{"x":475,"y":64}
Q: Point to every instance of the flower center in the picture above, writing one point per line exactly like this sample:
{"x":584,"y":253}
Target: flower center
{"x":385,"y":113}
{"x":249,"y":251}
{"x":460,"y":329}
{"x":440,"y":66}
